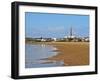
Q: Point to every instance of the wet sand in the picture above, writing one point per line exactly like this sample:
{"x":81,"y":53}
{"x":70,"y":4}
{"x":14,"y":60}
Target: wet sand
{"x":72,"y":53}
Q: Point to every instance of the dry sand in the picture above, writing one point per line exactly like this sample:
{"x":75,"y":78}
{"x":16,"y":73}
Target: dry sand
{"x":72,"y":53}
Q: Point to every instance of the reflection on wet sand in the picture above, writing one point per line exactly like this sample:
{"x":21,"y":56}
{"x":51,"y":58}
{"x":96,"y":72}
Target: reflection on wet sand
{"x":37,"y":56}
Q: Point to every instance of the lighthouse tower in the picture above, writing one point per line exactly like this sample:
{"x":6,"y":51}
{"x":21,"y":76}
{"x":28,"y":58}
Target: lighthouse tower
{"x":71,"y":33}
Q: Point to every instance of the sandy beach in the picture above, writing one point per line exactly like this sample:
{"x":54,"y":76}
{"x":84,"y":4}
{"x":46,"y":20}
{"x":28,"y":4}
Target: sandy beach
{"x":72,"y":53}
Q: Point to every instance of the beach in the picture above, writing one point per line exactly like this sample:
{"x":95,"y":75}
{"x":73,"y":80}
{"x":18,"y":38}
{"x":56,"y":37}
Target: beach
{"x":71,"y":53}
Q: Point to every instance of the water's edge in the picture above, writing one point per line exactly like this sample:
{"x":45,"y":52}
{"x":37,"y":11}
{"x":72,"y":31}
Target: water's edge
{"x":36,"y":56}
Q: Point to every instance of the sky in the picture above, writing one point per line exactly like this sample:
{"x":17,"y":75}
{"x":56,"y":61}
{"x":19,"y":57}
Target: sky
{"x":50,"y":25}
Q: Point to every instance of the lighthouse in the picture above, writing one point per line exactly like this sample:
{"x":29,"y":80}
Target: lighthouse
{"x":71,"y":33}
{"x":71,"y":36}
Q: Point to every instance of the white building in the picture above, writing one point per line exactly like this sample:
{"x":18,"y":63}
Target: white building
{"x":55,"y":39}
{"x":70,"y":34}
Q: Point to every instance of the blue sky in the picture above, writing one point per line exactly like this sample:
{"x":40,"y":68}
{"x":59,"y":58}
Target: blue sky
{"x":55,"y":25}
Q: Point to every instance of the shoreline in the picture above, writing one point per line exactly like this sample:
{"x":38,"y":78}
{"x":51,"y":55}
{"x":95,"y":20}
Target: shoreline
{"x":71,"y":53}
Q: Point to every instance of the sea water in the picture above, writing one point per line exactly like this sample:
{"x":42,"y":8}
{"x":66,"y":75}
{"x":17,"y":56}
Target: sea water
{"x":37,"y":56}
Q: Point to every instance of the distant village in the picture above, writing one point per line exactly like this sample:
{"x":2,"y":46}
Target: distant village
{"x":69,"y":38}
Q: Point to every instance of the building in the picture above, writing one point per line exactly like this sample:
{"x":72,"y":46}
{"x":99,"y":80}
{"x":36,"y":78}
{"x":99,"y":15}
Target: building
{"x":54,"y":39}
{"x":71,"y":37}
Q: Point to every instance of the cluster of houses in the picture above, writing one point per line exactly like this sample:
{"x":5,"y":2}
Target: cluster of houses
{"x":65,"y":39}
{"x":70,"y":38}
